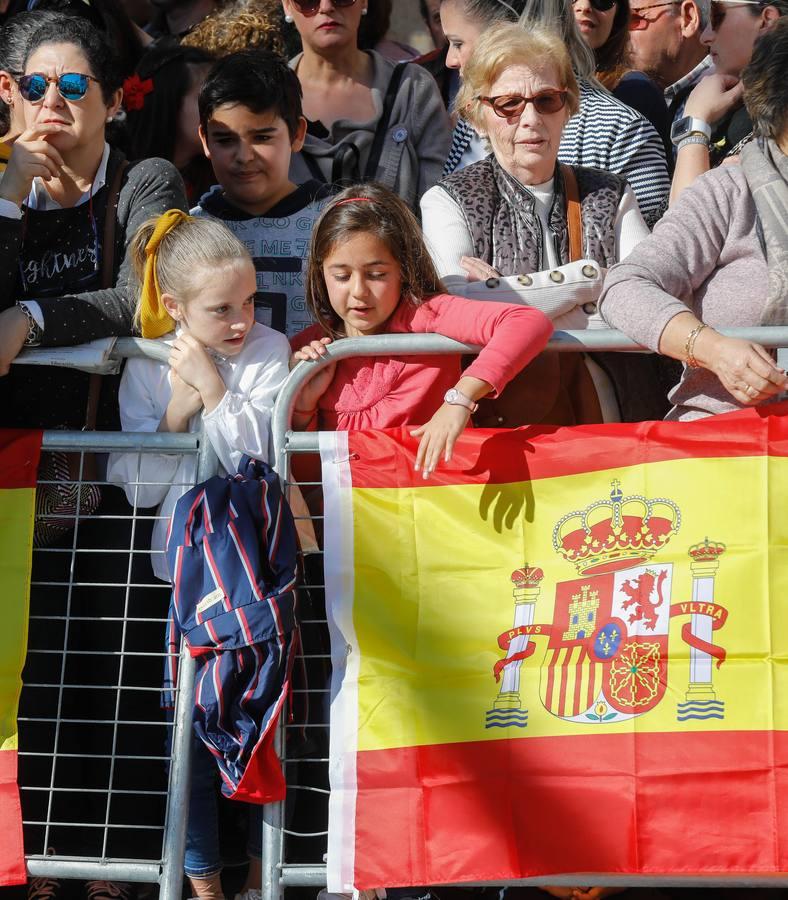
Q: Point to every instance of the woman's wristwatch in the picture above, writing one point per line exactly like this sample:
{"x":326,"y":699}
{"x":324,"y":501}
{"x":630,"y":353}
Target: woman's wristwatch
{"x":34,"y":330}
{"x":689,"y":130}
{"x":457,"y":398}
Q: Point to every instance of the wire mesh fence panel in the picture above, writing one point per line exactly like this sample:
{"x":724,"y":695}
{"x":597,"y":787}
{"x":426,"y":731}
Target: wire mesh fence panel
{"x":95,"y":746}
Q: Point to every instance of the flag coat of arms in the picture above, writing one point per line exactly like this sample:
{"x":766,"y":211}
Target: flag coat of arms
{"x":563,"y":653}
{"x":19,"y":453}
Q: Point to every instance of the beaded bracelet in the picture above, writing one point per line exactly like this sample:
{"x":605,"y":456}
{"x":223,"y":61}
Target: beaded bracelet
{"x":34,"y":331}
{"x":689,"y":347}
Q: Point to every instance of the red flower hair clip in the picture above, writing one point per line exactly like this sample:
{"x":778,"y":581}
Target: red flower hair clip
{"x":134,"y":92}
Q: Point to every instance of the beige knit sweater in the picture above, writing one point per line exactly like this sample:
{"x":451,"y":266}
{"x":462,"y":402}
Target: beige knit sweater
{"x":704,"y":256}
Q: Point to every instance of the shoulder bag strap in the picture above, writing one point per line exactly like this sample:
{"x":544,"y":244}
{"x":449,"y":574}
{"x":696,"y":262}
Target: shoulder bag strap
{"x":574,"y":219}
{"x":384,"y":121}
{"x":107,"y":277}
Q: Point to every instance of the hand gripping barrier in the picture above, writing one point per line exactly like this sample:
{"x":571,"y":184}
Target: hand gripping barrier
{"x":294,"y":832}
{"x":103,"y":777}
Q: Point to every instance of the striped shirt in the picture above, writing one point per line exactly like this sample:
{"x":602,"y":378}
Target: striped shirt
{"x":606,"y":134}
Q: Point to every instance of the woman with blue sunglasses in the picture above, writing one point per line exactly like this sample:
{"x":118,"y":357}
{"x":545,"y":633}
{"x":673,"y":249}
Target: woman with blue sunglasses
{"x":53,"y":207}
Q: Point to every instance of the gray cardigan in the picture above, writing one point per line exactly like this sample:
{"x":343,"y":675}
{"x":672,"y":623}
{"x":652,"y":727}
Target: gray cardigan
{"x":416,"y":144}
{"x":703,"y":256}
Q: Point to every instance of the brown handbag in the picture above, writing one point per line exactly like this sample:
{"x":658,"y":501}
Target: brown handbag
{"x":555,"y":388}
{"x":64,"y":479}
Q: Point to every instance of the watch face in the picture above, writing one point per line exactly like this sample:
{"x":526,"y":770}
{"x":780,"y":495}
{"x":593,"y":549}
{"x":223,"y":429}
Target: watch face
{"x":679,"y":129}
{"x":451,"y":395}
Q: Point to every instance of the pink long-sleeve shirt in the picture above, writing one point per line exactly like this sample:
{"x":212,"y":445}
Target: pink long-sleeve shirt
{"x":384,"y":392}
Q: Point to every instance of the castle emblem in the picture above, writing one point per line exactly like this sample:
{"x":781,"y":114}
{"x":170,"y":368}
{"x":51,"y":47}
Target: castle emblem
{"x":606,"y":653}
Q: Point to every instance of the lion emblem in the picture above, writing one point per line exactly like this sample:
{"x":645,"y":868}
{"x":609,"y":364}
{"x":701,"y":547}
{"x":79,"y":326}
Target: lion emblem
{"x":639,"y":593}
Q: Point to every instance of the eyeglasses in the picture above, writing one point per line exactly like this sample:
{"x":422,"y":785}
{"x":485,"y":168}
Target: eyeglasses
{"x":507,"y":106}
{"x":638,"y":22}
{"x":717,"y":10}
{"x":309,"y":8}
{"x":601,"y":5}
{"x":71,"y":85}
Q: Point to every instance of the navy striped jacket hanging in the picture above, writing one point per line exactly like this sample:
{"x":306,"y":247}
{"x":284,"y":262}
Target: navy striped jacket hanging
{"x":232,"y":549}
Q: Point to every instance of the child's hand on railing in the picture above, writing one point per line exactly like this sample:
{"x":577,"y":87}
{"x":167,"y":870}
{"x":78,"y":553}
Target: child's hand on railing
{"x":313,"y":390}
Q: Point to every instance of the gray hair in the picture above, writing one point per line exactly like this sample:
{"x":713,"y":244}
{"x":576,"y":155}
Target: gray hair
{"x":558,"y":16}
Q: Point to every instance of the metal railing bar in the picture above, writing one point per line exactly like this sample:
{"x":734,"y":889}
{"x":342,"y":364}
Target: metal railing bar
{"x":60,"y":867}
{"x":120,"y":441}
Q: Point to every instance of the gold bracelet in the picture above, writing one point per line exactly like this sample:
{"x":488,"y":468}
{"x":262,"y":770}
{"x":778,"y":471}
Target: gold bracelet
{"x":689,"y":346}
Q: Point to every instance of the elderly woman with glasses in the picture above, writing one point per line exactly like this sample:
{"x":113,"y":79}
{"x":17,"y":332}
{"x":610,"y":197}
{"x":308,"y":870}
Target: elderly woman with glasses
{"x":605,"y":133}
{"x":518,"y":227}
{"x":719,"y":259}
{"x":716,"y":125}
{"x":367,"y":118}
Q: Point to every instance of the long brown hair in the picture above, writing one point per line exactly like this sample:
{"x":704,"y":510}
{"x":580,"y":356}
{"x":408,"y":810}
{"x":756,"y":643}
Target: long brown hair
{"x":371,"y":209}
{"x":613,"y":57}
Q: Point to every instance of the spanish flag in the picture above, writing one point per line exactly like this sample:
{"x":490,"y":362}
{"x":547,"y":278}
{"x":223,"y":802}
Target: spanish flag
{"x":566,"y":652}
{"x":19,"y":453}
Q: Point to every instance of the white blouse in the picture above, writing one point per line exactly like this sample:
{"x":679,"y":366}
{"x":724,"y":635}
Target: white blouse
{"x":240,"y":424}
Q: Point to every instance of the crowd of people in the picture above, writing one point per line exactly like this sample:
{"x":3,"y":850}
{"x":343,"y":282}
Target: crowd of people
{"x":247,"y":182}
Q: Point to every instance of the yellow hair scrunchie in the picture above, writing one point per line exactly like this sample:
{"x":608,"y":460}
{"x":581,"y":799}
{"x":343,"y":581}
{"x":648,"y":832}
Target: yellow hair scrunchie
{"x":154,"y":318}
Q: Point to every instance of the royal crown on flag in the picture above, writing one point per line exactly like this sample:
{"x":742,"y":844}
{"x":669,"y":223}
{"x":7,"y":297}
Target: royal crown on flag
{"x":706,"y":551}
{"x":616,"y":533}
{"x":529,"y":576}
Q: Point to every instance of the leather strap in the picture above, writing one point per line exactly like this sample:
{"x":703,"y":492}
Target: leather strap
{"x":574,"y":220}
{"x":107,"y":278}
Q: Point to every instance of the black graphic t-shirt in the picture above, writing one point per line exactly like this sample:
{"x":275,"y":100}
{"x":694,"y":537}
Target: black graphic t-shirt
{"x":60,"y":255}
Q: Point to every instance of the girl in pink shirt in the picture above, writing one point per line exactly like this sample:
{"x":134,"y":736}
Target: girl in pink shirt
{"x":369,"y":272}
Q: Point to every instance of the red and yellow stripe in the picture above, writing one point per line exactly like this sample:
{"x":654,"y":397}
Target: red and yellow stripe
{"x":19,"y":453}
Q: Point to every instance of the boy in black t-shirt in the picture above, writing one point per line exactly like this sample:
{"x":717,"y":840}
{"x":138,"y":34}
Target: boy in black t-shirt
{"x":250,"y":125}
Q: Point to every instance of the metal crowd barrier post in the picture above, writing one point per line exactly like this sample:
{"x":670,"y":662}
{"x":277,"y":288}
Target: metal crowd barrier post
{"x":279,"y":836}
{"x":88,"y":678}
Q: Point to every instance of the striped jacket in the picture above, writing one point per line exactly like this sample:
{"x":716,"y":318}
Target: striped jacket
{"x":605,"y":134}
{"x":232,"y":549}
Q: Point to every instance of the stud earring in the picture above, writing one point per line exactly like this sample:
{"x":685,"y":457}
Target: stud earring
{"x":109,"y":119}
{"x":364,"y":11}
{"x":289,"y":19}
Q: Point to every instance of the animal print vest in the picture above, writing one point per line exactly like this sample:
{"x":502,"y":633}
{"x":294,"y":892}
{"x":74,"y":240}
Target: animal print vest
{"x":501,"y":216}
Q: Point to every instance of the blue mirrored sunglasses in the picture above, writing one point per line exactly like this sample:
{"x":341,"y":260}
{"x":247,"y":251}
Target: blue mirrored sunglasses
{"x":70,"y":85}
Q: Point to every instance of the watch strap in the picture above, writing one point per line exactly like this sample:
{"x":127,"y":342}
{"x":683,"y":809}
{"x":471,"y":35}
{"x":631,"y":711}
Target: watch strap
{"x":457,"y":398}
{"x":34,"y":331}
{"x":693,"y":139}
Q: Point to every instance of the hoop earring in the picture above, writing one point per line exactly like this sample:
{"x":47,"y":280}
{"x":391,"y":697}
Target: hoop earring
{"x":289,"y":19}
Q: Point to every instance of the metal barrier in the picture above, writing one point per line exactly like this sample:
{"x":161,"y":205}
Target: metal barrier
{"x":295,"y":832}
{"x":103,"y":776}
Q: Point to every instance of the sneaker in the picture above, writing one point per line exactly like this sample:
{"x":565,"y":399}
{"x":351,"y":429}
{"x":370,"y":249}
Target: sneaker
{"x":109,"y":890}
{"x":43,"y":887}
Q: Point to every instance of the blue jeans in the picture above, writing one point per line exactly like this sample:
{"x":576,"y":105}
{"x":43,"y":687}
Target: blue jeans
{"x":202,"y":857}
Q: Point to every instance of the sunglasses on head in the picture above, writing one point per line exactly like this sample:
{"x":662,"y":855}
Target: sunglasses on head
{"x":718,"y":9}
{"x":509,"y":105}
{"x":310,"y":7}
{"x":70,"y":85}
